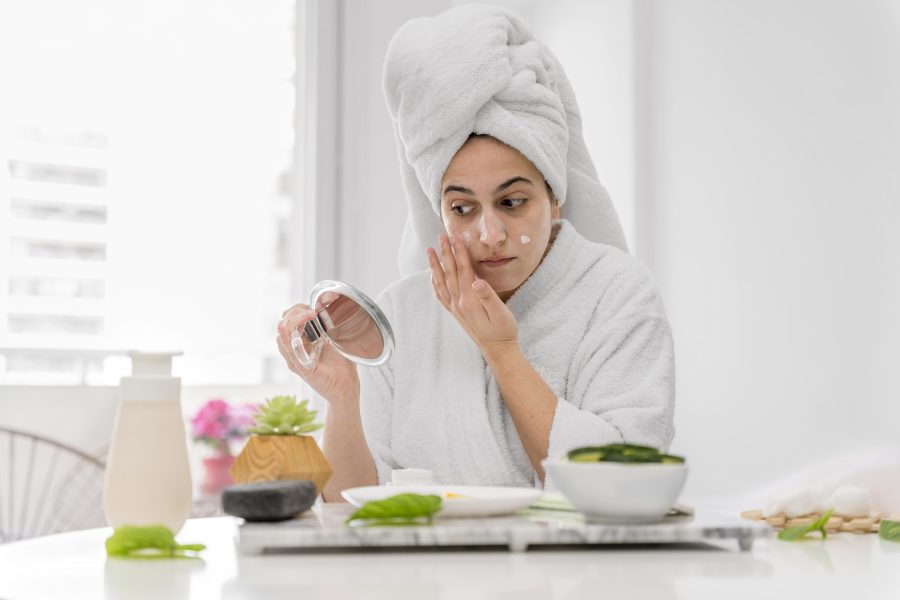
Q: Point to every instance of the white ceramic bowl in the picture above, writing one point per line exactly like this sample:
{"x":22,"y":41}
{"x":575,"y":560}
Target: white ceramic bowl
{"x":618,"y":492}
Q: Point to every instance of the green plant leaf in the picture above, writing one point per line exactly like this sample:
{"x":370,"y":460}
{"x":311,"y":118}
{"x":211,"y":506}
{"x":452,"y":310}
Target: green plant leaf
{"x":402,"y":509}
{"x":282,"y":415}
{"x":889,"y":530}
{"x":153,"y":541}
{"x":792,"y":534}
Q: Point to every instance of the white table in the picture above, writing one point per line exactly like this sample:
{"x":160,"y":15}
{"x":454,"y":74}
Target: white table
{"x":74,"y":565}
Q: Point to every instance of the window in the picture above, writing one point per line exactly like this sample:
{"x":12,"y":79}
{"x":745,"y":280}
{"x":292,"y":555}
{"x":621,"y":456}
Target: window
{"x":146,"y":152}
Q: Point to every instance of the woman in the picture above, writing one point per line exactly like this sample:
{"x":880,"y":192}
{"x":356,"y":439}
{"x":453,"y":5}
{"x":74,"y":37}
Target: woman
{"x":530,"y":332}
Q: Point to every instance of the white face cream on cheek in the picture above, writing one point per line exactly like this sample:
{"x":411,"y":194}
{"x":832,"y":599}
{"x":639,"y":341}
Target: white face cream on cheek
{"x":525,"y":239}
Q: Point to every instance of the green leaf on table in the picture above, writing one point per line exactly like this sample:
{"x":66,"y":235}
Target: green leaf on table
{"x":154,"y":541}
{"x":402,"y":509}
{"x":889,"y":530}
{"x":798,"y":533}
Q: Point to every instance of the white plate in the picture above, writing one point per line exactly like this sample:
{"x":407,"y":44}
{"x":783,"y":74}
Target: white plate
{"x":477,"y":501}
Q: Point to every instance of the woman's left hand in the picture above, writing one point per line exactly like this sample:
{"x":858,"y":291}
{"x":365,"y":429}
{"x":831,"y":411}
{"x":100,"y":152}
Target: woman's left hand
{"x":474,"y":303}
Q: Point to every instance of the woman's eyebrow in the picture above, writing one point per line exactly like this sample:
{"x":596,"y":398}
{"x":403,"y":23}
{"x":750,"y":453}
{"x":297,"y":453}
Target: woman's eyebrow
{"x":511,"y":181}
{"x":458,"y":188}
{"x":500,"y":188}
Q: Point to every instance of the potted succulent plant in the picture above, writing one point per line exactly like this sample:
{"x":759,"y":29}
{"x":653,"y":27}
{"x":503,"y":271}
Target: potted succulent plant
{"x":280,"y":446}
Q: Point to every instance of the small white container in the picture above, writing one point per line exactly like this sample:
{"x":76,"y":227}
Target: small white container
{"x":411,"y":477}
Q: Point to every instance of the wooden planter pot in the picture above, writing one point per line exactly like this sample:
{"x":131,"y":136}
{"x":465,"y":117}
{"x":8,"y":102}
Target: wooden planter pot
{"x":272,"y":457}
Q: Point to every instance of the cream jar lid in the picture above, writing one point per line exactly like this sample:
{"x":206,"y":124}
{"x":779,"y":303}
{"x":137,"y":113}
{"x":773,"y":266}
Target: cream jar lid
{"x":411,"y":477}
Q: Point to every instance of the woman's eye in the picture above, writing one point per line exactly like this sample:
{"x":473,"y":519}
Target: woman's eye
{"x":513,"y":202}
{"x":461,"y":209}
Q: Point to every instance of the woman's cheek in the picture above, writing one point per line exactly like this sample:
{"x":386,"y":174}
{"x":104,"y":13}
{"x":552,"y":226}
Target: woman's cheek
{"x":452,"y":227}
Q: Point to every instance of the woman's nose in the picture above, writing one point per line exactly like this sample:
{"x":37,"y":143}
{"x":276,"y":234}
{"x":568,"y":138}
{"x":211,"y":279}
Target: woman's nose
{"x":492,"y":229}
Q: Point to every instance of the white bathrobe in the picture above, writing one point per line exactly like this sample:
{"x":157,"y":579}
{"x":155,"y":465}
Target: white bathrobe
{"x":591,"y":323}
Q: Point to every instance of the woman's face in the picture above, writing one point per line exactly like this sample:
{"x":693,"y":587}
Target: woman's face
{"x":497,"y":200}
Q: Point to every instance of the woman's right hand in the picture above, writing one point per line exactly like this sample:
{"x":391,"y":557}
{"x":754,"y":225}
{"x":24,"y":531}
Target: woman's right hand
{"x":333,"y":377}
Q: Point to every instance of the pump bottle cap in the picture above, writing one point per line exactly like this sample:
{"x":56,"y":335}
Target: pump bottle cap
{"x":151,"y":377}
{"x":151,"y":364}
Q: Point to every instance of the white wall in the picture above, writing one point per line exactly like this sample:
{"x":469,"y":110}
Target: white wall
{"x":773,"y":176}
{"x":757,"y":143}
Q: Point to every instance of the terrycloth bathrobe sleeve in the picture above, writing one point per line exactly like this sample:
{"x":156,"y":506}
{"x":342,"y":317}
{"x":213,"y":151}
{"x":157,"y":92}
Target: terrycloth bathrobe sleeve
{"x":376,"y":406}
{"x":621,"y":384}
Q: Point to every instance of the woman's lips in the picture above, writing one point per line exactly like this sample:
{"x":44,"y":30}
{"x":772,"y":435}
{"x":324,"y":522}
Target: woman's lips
{"x":498,"y":263}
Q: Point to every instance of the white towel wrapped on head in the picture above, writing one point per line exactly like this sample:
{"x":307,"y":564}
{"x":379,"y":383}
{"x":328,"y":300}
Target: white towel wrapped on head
{"x":478,"y":69}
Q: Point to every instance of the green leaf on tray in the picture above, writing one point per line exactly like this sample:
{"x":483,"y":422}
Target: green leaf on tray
{"x":402,"y":509}
{"x":889,"y":530}
{"x":154,"y":541}
{"x":792,"y":534}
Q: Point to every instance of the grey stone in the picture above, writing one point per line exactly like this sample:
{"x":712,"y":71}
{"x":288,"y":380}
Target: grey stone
{"x":269,"y":500}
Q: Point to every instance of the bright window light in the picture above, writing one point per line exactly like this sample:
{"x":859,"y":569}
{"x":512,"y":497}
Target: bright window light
{"x":145,"y":196}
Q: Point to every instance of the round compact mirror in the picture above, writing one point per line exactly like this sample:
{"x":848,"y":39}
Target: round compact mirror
{"x":348,"y":320}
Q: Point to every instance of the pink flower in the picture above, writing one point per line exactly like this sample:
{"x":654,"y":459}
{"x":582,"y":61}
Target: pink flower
{"x":217,"y":423}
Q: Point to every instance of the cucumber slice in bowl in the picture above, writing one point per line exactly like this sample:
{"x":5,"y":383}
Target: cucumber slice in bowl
{"x":623,"y":453}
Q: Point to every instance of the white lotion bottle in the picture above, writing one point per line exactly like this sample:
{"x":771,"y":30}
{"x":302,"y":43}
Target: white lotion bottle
{"x":148,"y":477}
